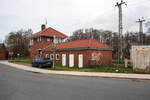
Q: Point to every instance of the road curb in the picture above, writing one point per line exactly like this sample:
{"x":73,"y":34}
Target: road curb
{"x":77,"y":73}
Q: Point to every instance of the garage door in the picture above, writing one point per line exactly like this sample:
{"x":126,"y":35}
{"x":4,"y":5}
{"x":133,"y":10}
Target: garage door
{"x":80,"y":60}
{"x":63,"y":59}
{"x":71,"y":60}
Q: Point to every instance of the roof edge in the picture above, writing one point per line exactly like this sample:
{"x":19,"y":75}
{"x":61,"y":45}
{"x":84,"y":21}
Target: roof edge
{"x":38,"y":35}
{"x":85,"y":48}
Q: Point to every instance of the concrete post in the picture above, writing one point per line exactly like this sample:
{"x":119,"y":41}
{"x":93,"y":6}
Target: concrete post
{"x":126,"y":63}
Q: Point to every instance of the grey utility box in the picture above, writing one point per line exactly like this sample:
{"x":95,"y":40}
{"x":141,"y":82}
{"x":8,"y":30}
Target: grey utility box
{"x":140,"y":57}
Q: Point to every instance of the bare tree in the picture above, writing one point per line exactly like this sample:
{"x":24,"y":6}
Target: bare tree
{"x":18,"y":42}
{"x":111,"y":38}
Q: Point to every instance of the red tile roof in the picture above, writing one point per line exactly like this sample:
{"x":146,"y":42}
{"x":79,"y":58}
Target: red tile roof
{"x":87,"y":43}
{"x":50,"y":32}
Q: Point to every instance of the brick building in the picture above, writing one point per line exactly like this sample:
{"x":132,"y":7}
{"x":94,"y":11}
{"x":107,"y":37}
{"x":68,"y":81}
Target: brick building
{"x":42,"y":39}
{"x":80,"y":53}
{"x":2,"y":52}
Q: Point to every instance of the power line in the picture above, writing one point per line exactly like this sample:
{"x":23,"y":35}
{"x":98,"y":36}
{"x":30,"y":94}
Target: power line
{"x":120,"y":30}
{"x":140,"y":36}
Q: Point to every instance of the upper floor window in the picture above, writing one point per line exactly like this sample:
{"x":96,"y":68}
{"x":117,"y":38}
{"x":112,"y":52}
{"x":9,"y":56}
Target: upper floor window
{"x":56,"y":40}
{"x":31,"y":42}
{"x":39,"y":39}
{"x":59,"y":40}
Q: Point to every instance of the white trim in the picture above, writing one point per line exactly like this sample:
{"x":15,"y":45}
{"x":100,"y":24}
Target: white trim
{"x":51,"y":56}
{"x":80,"y":60}
{"x":47,"y":56}
{"x":31,"y":41}
{"x":63,"y":59}
{"x":58,"y":57}
{"x":40,"y":38}
{"x":71,"y":60}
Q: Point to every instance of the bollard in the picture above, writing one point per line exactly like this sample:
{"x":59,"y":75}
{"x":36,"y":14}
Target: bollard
{"x":126,"y":63}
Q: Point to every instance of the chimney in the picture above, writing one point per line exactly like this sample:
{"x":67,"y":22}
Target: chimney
{"x":43,"y":26}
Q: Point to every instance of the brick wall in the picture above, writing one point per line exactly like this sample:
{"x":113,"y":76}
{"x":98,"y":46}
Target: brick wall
{"x":67,"y":56}
{"x":104,"y":58}
{"x":38,"y":45}
{"x":101,"y":57}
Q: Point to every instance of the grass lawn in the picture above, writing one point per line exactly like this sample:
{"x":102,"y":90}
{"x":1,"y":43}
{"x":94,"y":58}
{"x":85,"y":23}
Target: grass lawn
{"x":97,"y":69}
{"x":27,"y":61}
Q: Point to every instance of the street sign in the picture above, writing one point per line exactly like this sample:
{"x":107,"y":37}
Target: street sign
{"x":11,"y":53}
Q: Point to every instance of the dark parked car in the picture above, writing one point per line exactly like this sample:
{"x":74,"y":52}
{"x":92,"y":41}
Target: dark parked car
{"x":42,"y":62}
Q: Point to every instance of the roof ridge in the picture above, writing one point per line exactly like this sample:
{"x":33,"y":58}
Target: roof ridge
{"x":56,"y":30}
{"x":50,"y":31}
{"x":88,"y":43}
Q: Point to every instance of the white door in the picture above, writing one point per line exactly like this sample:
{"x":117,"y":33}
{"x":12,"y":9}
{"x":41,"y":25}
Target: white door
{"x":63,"y":59}
{"x":71,"y":60}
{"x":80,"y":60}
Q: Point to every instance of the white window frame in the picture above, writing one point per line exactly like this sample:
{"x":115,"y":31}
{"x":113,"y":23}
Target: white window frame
{"x":47,"y":56}
{"x":40,"y":38}
{"x":57,"y":57}
{"x":51,"y":56}
{"x":31,"y":42}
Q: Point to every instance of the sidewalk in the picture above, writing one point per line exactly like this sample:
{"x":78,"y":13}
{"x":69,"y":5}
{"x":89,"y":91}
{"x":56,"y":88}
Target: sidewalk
{"x":76,"y":73}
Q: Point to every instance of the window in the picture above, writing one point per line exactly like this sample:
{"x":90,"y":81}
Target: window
{"x":40,"y":52}
{"x":31,"y":42}
{"x":47,"y":56}
{"x":57,"y":57}
{"x":40,"y":38}
{"x":52,"y":56}
{"x":48,"y":39}
{"x":59,"y":40}
{"x":56,"y":40}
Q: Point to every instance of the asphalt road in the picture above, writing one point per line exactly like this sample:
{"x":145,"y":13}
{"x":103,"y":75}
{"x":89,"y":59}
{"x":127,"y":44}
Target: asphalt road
{"x":16,"y":84}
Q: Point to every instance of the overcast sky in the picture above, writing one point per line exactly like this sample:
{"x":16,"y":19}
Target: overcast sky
{"x":69,"y":15}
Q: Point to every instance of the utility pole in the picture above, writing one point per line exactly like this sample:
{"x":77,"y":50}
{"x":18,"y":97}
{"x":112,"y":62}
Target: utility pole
{"x":140,"y":36}
{"x":120,"y":54}
{"x":54,"y":49}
